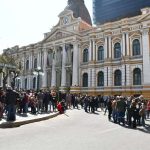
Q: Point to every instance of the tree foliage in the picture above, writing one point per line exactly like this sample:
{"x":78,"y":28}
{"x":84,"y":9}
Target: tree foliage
{"x":7,"y":60}
{"x":8,"y":65}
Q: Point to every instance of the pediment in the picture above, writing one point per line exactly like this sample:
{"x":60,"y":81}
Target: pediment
{"x":65,"y":12}
{"x":145,"y":17}
{"x":57,"y":34}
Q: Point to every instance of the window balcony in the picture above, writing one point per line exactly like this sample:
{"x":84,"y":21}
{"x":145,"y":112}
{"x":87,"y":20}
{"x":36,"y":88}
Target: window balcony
{"x":136,"y":57}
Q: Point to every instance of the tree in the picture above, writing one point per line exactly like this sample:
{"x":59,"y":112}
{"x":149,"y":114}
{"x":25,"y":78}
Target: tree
{"x":8,"y":65}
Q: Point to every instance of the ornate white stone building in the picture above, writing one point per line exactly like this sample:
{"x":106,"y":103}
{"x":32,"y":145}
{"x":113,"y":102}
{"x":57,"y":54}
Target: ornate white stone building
{"x":113,"y":58}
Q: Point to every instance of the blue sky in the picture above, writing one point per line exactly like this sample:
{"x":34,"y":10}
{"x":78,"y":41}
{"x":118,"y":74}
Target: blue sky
{"x":23,"y":22}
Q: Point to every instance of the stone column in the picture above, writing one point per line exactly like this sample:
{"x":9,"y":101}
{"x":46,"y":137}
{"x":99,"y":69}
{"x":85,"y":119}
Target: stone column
{"x":30,"y":60}
{"x":75,"y":73}
{"x":90,"y":51}
{"x":44,"y":78}
{"x":123,"y":75}
{"x":123,"y":45}
{"x":1,"y":79}
{"x":94,"y":51}
{"x":105,"y":76}
{"x":127,"y":44}
{"x":128,"y":74}
{"x":63,"y":73}
{"x":105,"y":48}
{"x":30,"y":82}
{"x":24,"y":62}
{"x":39,"y":59}
{"x":93,"y":77}
{"x":21,"y":82}
{"x":110,"y":47}
{"x":146,"y":56}
{"x":110,"y":76}
{"x":53,"y":80}
{"x":89,"y":77}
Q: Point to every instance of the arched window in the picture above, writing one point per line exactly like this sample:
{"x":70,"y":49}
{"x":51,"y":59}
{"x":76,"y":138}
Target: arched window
{"x":26,"y":83}
{"x":100,"y":53}
{"x":136,"y":76}
{"x":100,"y":79}
{"x":34,"y":82}
{"x":136,"y":47}
{"x":27,"y":65}
{"x":20,"y":66}
{"x":117,"y":50}
{"x":117,"y":78}
{"x":85,"y":55}
{"x":35,"y":63}
{"x":48,"y":63}
{"x":49,"y":58}
{"x":85,"y":80}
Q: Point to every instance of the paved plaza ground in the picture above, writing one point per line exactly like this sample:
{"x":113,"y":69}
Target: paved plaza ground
{"x":75,"y":130}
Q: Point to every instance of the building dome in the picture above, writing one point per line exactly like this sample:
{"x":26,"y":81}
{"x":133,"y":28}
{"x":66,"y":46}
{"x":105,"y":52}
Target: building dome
{"x":79,"y":10}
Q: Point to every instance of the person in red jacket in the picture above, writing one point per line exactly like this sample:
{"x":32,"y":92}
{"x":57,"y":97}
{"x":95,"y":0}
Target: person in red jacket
{"x":61,"y":107}
{"x":148,"y":109}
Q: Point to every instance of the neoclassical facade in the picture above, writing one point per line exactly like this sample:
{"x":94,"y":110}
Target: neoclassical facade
{"x":113,"y":58}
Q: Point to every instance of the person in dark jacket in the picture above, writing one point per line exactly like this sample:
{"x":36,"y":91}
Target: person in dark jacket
{"x":121,"y":108}
{"x":132,"y":113}
{"x":2,"y":101}
{"x":46,"y":100}
{"x":109,"y":106}
{"x":86,"y":103}
{"x":11,"y":98}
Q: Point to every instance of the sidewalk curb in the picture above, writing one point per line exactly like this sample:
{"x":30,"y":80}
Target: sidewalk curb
{"x":20,"y":123}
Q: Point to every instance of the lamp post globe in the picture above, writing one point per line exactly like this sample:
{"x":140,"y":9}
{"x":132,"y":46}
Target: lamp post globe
{"x":38,"y":72}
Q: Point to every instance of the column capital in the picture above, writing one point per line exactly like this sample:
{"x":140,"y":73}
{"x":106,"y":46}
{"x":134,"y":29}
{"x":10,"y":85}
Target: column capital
{"x":145,"y":31}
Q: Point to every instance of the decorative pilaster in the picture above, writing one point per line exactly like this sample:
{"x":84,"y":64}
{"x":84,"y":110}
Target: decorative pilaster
{"x":90,"y":51}
{"x":89,"y":77}
{"x":63,"y":73}
{"x":106,"y":76}
{"x":75,"y":74}
{"x":127,"y":44}
{"x":123,"y":44}
{"x":39,"y":58}
{"x":123,"y":75}
{"x":94,"y":51}
{"x":93,"y":77}
{"x":106,"y":48}
{"x":110,"y":47}
{"x":21,"y":82}
{"x":24,"y":61}
{"x":146,"y":56}
{"x":30,"y":60}
{"x":30,"y":82}
{"x":44,"y":79}
{"x":53,"y":81}
{"x":1,"y":79}
{"x":110,"y":76}
{"x":128,"y":74}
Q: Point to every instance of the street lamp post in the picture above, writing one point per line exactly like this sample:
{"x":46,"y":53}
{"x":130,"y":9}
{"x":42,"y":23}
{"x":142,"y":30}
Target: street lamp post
{"x":38,"y":72}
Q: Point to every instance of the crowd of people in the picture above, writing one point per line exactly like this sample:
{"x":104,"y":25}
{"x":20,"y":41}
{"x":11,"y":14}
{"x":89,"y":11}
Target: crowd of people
{"x":131,"y":111}
{"x":12,"y":102}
